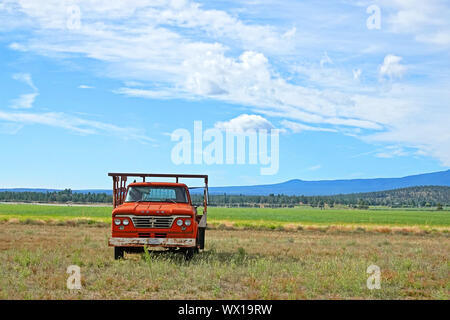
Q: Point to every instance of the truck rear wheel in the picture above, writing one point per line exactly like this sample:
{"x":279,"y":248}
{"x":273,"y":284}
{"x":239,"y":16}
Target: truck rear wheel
{"x":189,"y":253}
{"x":201,"y":238}
{"x":118,"y":253}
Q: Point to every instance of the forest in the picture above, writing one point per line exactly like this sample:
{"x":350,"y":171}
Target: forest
{"x":421,"y":196}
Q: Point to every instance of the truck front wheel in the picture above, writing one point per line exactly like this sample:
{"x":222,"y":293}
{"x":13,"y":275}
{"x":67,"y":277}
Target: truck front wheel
{"x":118,"y":253}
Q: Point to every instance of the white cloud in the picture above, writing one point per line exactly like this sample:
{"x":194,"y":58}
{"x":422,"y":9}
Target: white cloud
{"x":424,"y":128}
{"x":185,"y":67}
{"x":392,"y":67}
{"x":314,"y":168}
{"x":439,"y":38}
{"x":427,"y":20}
{"x":299,"y":127}
{"x":84,"y":86}
{"x":148,"y":14}
{"x":10,"y":128}
{"x":149,"y":94}
{"x":411,"y":15}
{"x":25,"y":78}
{"x":428,"y":138}
{"x":221,"y":25}
{"x":72,"y":123}
{"x":179,"y":49}
{"x":244,"y":123}
{"x":330,"y":77}
{"x":392,"y":151}
{"x":24,"y":101}
{"x":14,"y":121}
{"x":16,"y":46}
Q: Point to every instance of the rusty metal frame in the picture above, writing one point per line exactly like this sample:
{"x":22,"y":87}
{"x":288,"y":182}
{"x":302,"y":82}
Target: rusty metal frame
{"x":120,"y":187}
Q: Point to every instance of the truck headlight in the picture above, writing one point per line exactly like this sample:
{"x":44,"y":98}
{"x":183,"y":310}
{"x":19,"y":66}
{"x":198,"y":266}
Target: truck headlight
{"x":179,"y":222}
{"x":187,"y":222}
{"x":126,"y":222}
{"x":116,"y":222}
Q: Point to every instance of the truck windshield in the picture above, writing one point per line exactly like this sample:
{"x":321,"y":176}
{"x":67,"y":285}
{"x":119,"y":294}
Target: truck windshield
{"x":156,"y":194}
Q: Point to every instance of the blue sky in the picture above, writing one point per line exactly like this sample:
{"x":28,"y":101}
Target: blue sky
{"x":89,"y":87}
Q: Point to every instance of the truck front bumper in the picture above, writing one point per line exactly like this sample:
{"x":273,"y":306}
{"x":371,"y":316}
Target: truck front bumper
{"x":157,"y":242}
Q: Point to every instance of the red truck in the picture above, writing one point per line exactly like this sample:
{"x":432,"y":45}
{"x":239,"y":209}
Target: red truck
{"x":156,"y":214}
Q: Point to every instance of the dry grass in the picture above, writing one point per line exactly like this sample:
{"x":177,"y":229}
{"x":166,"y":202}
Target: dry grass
{"x":230,"y":225}
{"x":237,"y":264}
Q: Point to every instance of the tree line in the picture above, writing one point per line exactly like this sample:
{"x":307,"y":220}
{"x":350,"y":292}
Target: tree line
{"x":427,"y":196}
{"x":63,"y":196}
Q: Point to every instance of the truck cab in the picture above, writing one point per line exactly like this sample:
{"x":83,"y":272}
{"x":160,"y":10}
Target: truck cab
{"x":155,"y":214}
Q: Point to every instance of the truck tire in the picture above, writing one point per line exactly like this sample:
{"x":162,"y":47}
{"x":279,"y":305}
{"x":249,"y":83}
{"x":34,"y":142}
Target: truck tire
{"x":201,"y":238}
{"x":189,"y":253}
{"x":118,"y":253}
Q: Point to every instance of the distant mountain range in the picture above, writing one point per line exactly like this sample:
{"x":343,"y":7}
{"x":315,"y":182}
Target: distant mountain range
{"x":310,"y":188}
{"x":332,"y":187}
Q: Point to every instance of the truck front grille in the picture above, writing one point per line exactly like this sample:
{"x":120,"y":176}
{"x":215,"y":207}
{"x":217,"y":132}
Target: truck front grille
{"x":153,"y":222}
{"x":144,"y":235}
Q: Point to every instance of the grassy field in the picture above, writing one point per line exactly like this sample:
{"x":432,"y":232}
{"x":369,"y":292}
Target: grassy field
{"x":319,"y":254}
{"x":255,"y":217}
{"x":315,"y":216}
{"x":237,"y":264}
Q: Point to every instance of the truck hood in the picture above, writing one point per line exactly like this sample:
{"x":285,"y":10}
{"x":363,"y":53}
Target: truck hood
{"x":146,"y":208}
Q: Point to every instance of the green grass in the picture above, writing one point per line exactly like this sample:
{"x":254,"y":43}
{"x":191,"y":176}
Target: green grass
{"x":306,"y":215}
{"x":44,"y":212}
{"x":252,"y":216}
